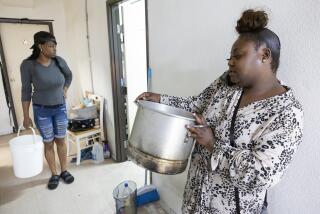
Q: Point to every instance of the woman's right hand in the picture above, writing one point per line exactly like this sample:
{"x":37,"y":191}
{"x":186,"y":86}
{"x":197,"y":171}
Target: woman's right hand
{"x":149,"y":96}
{"x":27,"y":122}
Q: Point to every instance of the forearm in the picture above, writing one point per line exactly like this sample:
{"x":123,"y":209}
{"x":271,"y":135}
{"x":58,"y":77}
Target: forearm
{"x":193,"y":103}
{"x":25,"y":108}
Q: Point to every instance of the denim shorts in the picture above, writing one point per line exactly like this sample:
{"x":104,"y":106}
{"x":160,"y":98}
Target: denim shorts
{"x":51,"y":121}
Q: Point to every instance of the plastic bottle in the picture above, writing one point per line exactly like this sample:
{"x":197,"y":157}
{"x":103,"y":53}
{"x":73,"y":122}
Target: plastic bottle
{"x":122,"y":198}
{"x":94,"y":153}
{"x":125,"y":192}
{"x":125,"y":200}
{"x":106,"y":152}
{"x":97,"y":152}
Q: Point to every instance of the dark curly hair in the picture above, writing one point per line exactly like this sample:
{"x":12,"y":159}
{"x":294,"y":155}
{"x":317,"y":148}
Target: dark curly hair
{"x":252,"y":25}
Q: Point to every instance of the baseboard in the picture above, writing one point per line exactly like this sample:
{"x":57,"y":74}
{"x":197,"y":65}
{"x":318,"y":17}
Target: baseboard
{"x":6,"y":131}
{"x":166,"y":207}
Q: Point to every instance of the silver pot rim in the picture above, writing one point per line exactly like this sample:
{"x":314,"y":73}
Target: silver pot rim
{"x":144,"y":104}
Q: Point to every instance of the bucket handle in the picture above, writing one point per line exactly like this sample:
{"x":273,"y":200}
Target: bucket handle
{"x":33,"y":131}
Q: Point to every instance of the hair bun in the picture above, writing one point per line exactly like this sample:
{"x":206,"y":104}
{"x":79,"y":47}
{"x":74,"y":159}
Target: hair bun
{"x":252,"y":21}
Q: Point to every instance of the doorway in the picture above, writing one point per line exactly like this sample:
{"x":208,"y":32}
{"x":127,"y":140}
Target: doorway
{"x":127,"y":22}
{"x":7,"y":125}
{"x":16,"y":38}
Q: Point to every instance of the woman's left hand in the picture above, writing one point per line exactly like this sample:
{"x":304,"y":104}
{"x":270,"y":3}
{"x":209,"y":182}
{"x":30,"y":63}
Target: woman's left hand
{"x":203,"y":134}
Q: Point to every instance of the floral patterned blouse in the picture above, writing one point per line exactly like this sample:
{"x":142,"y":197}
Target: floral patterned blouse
{"x":267,"y":134}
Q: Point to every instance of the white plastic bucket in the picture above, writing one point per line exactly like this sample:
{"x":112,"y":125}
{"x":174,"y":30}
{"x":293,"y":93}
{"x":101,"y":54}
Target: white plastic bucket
{"x":27,"y":154}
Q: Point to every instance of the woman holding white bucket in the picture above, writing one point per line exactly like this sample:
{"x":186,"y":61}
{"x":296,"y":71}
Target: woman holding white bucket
{"x":50,"y":77}
{"x":255,"y":126}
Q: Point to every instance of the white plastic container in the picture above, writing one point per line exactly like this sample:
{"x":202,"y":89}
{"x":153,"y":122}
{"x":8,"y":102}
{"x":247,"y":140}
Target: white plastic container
{"x":27,"y":155}
{"x":97,"y":153}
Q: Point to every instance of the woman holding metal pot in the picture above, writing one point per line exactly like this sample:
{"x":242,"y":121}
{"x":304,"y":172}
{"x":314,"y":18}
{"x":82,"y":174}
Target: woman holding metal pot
{"x":255,"y":126}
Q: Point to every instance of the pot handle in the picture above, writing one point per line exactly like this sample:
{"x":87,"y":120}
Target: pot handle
{"x":199,"y":126}
{"x":138,"y":103}
{"x":187,"y":138}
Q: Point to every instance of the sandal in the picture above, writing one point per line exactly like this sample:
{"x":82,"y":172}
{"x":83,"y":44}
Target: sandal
{"x":67,"y":177}
{"x":53,"y":182}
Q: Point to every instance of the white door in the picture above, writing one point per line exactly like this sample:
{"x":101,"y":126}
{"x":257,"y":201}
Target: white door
{"x":17,"y":40}
{"x":134,"y":54}
{"x":5,"y":126}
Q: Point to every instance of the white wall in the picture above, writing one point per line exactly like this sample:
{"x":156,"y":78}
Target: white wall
{"x":76,"y":38}
{"x":100,"y":57}
{"x":99,"y":48}
{"x":190,"y":40}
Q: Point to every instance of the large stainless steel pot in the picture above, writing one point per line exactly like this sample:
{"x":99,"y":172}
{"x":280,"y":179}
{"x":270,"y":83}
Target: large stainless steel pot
{"x":159,"y":139}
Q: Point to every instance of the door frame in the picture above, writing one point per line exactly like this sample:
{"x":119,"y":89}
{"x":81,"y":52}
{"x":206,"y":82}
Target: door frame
{"x":7,"y":86}
{"x":117,"y":93}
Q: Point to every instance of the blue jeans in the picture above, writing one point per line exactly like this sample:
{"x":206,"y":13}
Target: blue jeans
{"x":51,"y":121}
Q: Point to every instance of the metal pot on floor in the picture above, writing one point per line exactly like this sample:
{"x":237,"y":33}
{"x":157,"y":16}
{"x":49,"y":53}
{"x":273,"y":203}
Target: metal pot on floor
{"x":159,"y":140}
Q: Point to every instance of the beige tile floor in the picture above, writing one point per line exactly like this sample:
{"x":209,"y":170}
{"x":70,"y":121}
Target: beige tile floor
{"x":91,"y":192}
